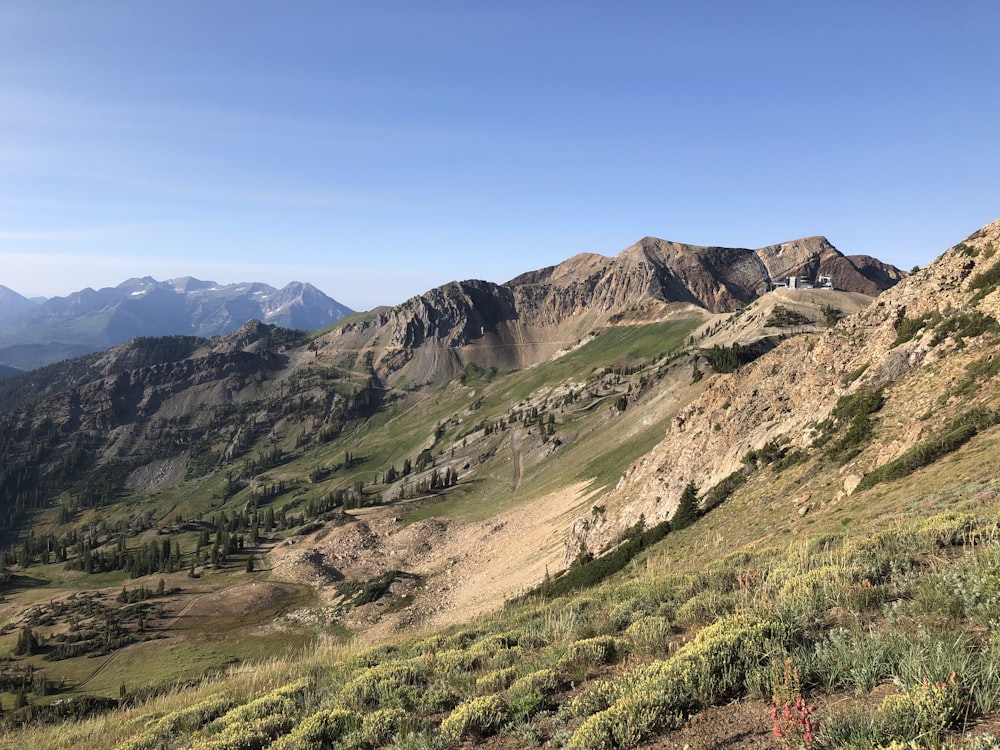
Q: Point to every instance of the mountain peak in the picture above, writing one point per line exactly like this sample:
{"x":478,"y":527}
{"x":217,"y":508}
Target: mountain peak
{"x":12,"y":303}
{"x":531,"y":317}
{"x":145,"y":282}
{"x":191,"y":284}
{"x":89,"y":320}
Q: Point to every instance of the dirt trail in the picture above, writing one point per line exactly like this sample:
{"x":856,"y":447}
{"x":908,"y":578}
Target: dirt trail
{"x":166,"y":627}
{"x":517,"y":460}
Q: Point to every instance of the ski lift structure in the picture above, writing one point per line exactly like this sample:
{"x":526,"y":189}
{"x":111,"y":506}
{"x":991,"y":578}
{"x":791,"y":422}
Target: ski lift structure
{"x":822,"y":281}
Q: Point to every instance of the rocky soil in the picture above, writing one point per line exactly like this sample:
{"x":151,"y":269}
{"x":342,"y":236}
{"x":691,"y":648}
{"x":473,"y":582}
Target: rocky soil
{"x":784,"y":395}
{"x":464,"y":569}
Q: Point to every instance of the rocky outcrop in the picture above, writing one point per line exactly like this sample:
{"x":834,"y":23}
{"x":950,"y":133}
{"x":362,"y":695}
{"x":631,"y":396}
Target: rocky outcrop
{"x":129,"y":397}
{"x":786,"y":393}
{"x":881,"y":275}
{"x":533,"y":316}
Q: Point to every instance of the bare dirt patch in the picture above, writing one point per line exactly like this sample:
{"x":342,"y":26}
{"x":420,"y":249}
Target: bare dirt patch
{"x":240,"y":600}
{"x":465,"y":569}
{"x":165,"y":472}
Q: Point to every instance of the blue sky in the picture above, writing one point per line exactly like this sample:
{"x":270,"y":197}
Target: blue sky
{"x":379,"y":149}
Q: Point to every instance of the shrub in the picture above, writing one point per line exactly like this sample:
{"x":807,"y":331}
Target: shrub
{"x":544,"y":681}
{"x":726,"y":487}
{"x":711,"y":668}
{"x":782,"y":317}
{"x":390,"y":682}
{"x":478,"y":717}
{"x":706,"y":606}
{"x":919,"y":456}
{"x":186,"y":720}
{"x":910,"y":327}
{"x":373,"y":655}
{"x":589,"y":572}
{"x":831,"y":315}
{"x":984,"y":282}
{"x":321,"y":729}
{"x":948,"y":529}
{"x":498,"y":679}
{"x":621,"y":614}
{"x":851,"y":375}
{"x":649,"y":636}
{"x":969,"y":587}
{"x":416,"y":741}
{"x":592,"y":652}
{"x":251,"y":734}
{"x":525,"y":705}
{"x":378,"y":727}
{"x":456,"y":660}
{"x":358,"y":593}
{"x":600,"y":695}
{"x":886,"y":555}
{"x":815,"y":591}
{"x":918,"y":716}
{"x":627,"y":723}
{"x":965,"y":325}
{"x":715,"y":664}
{"x":977,"y":373}
{"x":493,"y":643}
{"x":856,"y":411}
{"x":283,"y":700}
{"x":435,"y":699}
{"x":506,"y":657}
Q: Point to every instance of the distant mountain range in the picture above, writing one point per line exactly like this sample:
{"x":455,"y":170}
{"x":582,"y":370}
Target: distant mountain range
{"x":36,"y":334}
{"x":12,"y":303}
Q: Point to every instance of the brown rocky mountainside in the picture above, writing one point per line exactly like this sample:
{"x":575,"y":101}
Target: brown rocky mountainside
{"x":154,"y":399}
{"x":537,"y":314}
{"x":918,"y":343}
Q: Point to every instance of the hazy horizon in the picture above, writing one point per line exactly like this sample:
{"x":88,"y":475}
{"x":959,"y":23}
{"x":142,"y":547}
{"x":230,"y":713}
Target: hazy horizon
{"x":378,"y":151}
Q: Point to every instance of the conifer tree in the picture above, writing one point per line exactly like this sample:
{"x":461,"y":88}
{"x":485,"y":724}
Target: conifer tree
{"x":687,"y":508}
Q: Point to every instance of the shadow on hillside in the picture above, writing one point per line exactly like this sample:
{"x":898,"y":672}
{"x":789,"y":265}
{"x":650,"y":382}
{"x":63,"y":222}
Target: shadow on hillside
{"x":14,"y":583}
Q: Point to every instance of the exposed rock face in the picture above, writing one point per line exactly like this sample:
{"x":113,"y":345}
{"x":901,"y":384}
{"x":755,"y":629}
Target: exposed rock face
{"x":814,"y":256}
{"x":127,"y":397}
{"x":151,"y":406}
{"x":784,"y":394}
{"x":882,"y":275}
{"x":536,"y":314}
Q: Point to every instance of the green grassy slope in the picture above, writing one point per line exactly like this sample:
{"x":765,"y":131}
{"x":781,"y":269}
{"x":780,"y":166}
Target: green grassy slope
{"x":880,"y":633}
